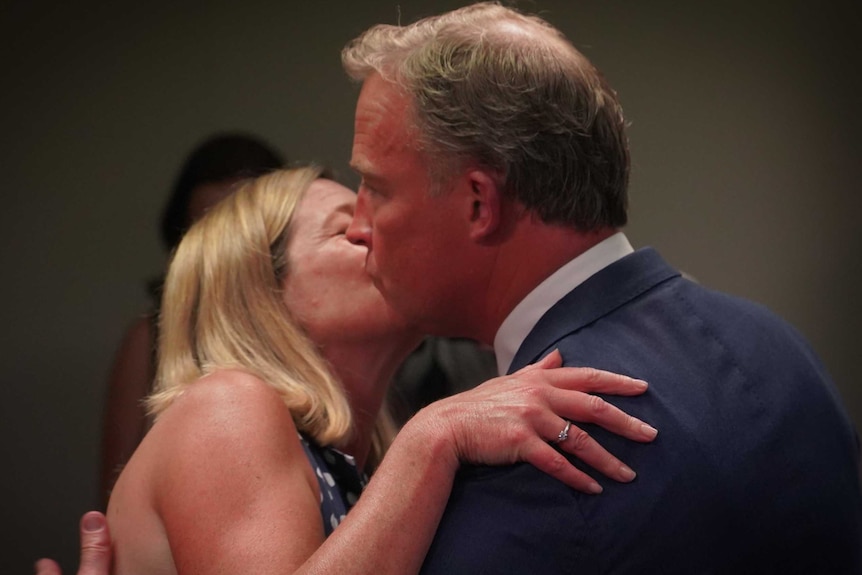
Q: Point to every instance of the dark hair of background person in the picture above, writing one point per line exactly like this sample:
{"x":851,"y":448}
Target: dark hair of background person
{"x":221,"y":157}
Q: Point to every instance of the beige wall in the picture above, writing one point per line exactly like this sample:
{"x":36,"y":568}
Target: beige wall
{"x":745,"y":131}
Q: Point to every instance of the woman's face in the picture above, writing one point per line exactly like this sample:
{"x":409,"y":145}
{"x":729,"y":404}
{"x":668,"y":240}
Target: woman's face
{"x":326,"y":287}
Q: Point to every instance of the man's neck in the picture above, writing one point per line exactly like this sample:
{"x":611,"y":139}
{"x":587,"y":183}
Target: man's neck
{"x":530,"y":310}
{"x":532,"y":253}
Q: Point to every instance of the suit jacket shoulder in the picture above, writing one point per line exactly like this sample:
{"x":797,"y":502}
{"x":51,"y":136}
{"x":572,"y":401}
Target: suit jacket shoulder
{"x":755,"y":468}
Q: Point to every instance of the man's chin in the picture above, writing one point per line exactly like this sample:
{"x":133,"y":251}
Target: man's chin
{"x":388,"y":297}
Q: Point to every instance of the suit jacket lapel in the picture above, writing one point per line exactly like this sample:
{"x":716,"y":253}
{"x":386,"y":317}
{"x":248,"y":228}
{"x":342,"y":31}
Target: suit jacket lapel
{"x":612,"y":287}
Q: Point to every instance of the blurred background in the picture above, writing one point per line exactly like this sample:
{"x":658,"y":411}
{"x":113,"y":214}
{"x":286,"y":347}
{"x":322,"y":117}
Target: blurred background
{"x":745,"y":133}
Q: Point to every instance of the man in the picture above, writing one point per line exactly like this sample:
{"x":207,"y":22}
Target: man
{"x":494,"y":171}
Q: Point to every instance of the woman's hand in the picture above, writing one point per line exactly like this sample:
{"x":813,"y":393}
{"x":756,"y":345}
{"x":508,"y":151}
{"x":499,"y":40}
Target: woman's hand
{"x":521,"y":417}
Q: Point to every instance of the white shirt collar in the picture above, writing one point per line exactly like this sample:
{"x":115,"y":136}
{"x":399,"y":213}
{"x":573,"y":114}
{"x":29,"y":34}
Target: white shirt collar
{"x":521,"y":320}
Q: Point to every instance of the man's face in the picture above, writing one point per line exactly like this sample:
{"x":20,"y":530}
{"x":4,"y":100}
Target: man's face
{"x":415,"y":240}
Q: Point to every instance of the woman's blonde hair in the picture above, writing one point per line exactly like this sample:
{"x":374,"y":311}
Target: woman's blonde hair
{"x":223,"y":308}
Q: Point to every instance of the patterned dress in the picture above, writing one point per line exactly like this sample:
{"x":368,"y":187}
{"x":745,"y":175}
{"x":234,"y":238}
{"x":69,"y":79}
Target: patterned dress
{"x":339,"y":479}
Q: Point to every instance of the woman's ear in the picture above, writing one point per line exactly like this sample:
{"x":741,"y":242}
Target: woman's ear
{"x":486,"y":205}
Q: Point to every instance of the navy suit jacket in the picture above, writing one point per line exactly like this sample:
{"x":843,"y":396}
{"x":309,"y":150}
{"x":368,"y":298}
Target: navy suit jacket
{"x":755,"y":468}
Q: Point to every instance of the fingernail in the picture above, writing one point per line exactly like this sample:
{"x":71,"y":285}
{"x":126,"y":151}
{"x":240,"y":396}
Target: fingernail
{"x":649,"y":430}
{"x":594,"y":488}
{"x":627,"y":473}
{"x":93,"y":522}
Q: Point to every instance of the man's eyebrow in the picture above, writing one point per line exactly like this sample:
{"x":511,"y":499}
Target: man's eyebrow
{"x":356,"y":166}
{"x":363,"y":169}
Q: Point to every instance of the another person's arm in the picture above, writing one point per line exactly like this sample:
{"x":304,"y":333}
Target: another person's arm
{"x":95,"y":549}
{"x":125,"y":420}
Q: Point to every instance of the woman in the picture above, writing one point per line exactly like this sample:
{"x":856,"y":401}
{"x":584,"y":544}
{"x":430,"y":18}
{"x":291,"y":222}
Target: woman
{"x":240,"y":471}
{"x":212,"y":170}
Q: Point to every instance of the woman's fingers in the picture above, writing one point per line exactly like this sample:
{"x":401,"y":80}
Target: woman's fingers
{"x":533,"y":405}
{"x":550,"y":361}
{"x":544,"y":456}
{"x":570,"y":397}
{"x":580,"y":444}
{"x":587,"y":379}
{"x":587,"y":408}
{"x":548,"y":460}
{"x":591,"y":380}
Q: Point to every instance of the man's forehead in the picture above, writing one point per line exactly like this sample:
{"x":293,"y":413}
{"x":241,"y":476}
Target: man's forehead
{"x":380,"y":127}
{"x":382,"y":108}
{"x":378,"y":91}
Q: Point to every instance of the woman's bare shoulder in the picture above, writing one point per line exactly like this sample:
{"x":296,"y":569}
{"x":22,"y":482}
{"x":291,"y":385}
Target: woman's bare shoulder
{"x":226,"y":445}
{"x":224,"y":426}
{"x":228,"y":398}
{"x":223,"y":416}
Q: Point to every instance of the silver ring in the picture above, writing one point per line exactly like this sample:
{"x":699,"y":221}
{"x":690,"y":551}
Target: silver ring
{"x":564,"y":434}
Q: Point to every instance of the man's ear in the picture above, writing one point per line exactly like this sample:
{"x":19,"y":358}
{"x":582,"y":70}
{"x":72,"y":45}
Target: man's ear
{"x":486,"y":204}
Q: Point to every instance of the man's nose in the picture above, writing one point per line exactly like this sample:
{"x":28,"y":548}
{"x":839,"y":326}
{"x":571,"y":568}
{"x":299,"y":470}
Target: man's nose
{"x":359,"y":230}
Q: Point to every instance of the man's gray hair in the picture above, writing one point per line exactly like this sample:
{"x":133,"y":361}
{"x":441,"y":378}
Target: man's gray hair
{"x":507,"y":91}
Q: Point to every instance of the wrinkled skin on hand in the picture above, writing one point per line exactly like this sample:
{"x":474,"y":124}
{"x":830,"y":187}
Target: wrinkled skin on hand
{"x":520,"y":416}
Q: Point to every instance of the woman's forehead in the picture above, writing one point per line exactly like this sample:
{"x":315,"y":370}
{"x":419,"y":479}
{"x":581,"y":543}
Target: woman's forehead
{"x":328,"y":191}
{"x":325,"y":197}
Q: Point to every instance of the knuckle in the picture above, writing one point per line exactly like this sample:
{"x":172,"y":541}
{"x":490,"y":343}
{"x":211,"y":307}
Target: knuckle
{"x":530,"y":411}
{"x":514,"y":435}
{"x":520,"y":412}
{"x":579,"y":438}
{"x":597,"y":405}
{"x":595,"y":375}
{"x":591,"y":377}
{"x":95,"y":546}
{"x":557,"y":464}
{"x":520,"y":435}
{"x":532,"y":391}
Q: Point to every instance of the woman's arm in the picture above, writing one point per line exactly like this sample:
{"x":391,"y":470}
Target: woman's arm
{"x":506,"y":420}
{"x":237,"y":494}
